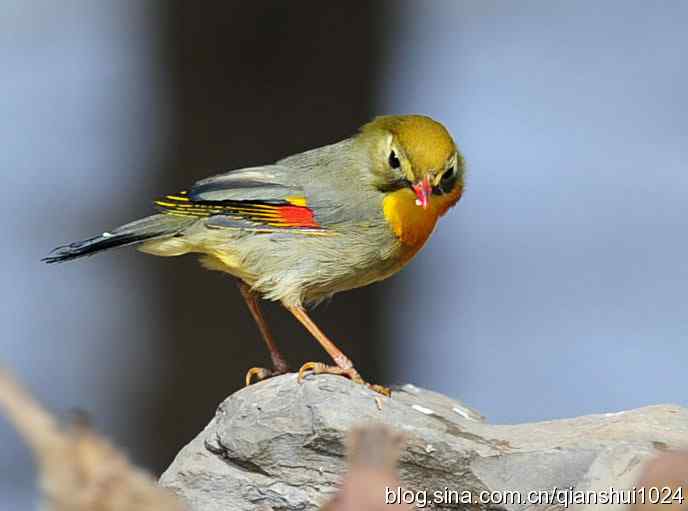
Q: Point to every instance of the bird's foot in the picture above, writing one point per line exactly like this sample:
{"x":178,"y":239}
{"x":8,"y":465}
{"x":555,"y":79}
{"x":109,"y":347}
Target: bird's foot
{"x":261,"y":373}
{"x":351,"y":373}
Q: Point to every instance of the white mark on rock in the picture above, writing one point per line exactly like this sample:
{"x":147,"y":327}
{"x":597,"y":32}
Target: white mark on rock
{"x":422,"y":409}
{"x":411,"y":388}
{"x":462,"y":413}
{"x":429,"y":448}
{"x":614,"y":414}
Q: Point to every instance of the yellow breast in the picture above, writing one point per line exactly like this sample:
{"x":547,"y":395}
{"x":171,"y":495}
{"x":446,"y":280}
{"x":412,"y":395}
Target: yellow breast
{"x":412,"y":224}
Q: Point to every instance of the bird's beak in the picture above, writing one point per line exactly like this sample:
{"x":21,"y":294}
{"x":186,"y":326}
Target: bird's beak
{"x":423,"y":190}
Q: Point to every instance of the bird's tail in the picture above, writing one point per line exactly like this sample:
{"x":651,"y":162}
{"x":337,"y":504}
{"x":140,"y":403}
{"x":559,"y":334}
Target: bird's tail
{"x":156,"y":226}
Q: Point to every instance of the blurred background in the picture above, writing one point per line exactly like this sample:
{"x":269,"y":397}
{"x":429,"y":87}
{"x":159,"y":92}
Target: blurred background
{"x":557,"y":287}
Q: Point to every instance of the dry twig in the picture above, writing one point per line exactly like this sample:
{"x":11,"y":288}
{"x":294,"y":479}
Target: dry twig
{"x":80,"y":470}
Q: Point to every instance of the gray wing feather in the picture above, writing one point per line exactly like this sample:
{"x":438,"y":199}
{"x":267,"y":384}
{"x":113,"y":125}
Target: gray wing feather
{"x":270,"y":182}
{"x":323,"y":176}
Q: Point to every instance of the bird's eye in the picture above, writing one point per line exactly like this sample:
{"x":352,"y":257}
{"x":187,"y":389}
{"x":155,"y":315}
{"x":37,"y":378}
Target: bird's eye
{"x":394,"y":161}
{"x":448,"y":180}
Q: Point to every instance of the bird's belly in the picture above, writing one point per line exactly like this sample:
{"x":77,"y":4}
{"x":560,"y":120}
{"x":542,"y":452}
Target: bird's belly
{"x":226,"y":262}
{"x":307,"y":269}
{"x":355,"y":268}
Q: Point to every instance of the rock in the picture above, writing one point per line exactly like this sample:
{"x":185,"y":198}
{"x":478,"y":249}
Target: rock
{"x":280,"y":445}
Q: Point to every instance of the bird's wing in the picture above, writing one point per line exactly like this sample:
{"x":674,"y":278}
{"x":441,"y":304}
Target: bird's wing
{"x":259,"y":198}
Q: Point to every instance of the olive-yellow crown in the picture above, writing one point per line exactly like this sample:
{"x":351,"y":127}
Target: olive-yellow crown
{"x":423,"y":142}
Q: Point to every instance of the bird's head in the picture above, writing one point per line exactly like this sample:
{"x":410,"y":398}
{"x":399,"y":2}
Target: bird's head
{"x":417,"y":154}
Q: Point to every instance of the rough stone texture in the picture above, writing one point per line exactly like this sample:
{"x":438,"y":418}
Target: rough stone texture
{"x":280,"y":445}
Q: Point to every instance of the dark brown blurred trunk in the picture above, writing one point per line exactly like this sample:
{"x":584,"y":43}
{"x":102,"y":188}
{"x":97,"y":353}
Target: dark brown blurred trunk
{"x":252,"y":82}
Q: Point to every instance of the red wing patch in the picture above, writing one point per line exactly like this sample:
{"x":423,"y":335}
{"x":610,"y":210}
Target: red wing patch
{"x":292,"y":212}
{"x":297,"y":216}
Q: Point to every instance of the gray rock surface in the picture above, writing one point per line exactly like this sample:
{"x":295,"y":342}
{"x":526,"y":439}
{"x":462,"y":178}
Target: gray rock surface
{"x":280,"y":445}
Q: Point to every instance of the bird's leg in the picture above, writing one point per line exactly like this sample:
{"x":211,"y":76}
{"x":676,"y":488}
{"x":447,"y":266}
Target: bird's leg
{"x":344,"y":365}
{"x":279,"y":364}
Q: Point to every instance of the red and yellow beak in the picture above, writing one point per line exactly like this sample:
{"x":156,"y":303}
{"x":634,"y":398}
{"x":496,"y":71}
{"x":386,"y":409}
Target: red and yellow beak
{"x":423,"y":191}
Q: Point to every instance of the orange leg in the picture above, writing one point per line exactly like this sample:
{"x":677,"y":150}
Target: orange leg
{"x":279,"y":363}
{"x":344,"y":366}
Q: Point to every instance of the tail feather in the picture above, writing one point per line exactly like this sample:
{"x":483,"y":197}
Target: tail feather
{"x":156,"y":226}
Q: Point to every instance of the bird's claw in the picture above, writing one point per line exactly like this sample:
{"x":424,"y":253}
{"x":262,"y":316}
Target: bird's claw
{"x":350,"y":372}
{"x":380,"y":389}
{"x":260,"y":374}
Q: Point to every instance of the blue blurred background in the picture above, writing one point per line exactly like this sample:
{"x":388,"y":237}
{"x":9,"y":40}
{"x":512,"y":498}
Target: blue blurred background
{"x":557,"y":287}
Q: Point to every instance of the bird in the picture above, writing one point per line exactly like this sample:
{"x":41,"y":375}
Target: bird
{"x":330,"y":219}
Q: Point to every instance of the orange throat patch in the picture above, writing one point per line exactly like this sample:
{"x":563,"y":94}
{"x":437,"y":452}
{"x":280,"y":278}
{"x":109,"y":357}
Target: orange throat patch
{"x":412,"y":224}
